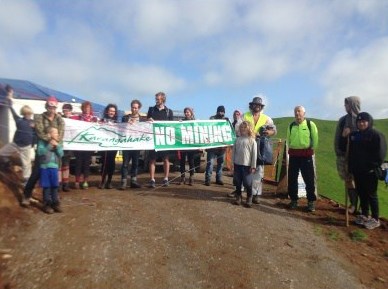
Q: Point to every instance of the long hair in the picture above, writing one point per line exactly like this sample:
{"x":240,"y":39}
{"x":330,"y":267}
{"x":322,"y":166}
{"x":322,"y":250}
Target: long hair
{"x":248,"y":126}
{"x":106,"y":115}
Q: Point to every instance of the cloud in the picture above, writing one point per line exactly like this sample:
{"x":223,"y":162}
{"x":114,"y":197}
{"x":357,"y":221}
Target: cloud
{"x":20,"y":21}
{"x":361,"y":72}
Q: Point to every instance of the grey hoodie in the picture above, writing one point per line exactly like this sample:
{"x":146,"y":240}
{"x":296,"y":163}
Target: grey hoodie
{"x":346,"y":121}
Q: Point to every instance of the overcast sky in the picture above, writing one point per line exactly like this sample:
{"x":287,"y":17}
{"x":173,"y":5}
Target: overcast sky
{"x":203,"y":53}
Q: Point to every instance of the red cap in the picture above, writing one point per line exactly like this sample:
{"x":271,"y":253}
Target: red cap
{"x":52,"y":101}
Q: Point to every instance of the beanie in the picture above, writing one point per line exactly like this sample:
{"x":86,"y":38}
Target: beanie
{"x":221,"y":108}
{"x":364,"y":116}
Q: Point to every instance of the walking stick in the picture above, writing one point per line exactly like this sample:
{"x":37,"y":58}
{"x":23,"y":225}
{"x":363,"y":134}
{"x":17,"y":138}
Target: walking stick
{"x":346,"y":183}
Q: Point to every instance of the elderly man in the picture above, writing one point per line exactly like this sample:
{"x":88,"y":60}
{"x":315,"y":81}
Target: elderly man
{"x":302,"y":140}
{"x":262,"y":125}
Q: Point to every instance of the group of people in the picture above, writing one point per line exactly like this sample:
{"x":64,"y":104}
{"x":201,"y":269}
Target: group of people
{"x":359,"y":148}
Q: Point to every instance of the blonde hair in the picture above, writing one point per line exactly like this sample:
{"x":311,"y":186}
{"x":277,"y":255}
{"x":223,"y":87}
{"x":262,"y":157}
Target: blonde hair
{"x":25,"y":110}
{"x":248,"y":126}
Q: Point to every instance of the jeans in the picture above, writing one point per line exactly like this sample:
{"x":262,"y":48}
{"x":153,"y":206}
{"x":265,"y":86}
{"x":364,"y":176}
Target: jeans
{"x":211,"y":155}
{"x":242,"y":176}
{"x":127,"y":157}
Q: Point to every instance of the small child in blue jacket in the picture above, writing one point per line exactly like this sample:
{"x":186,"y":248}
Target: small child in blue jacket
{"x":50,"y":160}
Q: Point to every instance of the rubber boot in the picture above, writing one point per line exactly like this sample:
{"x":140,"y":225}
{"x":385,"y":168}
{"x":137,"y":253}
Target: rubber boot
{"x":248,"y":204}
{"x":238,"y":200}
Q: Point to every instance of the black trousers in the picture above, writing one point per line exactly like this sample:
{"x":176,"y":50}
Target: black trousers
{"x":306,"y":166}
{"x":366,"y":186}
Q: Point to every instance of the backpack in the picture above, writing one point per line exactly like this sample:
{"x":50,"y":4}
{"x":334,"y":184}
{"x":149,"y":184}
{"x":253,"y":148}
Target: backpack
{"x":264,"y":151}
{"x":308,"y":126}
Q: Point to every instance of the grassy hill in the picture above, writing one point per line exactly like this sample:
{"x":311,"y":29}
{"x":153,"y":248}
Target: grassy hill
{"x":329,"y":184}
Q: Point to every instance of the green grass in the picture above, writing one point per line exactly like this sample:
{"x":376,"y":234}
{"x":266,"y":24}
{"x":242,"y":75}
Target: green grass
{"x":329,"y":183}
{"x":358,"y":235}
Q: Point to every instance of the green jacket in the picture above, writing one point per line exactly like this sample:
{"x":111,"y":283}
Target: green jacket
{"x":301,"y":137}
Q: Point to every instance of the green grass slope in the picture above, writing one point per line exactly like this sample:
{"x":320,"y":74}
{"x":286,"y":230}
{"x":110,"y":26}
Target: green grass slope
{"x":329,"y":183}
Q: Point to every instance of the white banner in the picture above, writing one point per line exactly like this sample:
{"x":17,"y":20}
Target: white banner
{"x":89,"y":136}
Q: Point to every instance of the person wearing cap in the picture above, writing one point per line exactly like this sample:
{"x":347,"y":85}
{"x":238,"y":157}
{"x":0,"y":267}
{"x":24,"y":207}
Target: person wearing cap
{"x":23,"y":138}
{"x":64,"y":173}
{"x":216,"y":153}
{"x":346,"y":125}
{"x":367,"y":150}
{"x":48,"y":119}
{"x":302,"y":141}
{"x":262,"y":124}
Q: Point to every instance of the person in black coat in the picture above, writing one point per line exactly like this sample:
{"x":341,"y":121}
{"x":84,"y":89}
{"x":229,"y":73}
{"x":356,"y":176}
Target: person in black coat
{"x":367,"y":150}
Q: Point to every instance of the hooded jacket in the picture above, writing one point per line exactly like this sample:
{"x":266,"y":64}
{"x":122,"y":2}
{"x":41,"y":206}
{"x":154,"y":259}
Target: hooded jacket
{"x":367,"y":148}
{"x":346,"y":121}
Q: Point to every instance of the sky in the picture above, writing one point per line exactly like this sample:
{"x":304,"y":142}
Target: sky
{"x":203,"y":53}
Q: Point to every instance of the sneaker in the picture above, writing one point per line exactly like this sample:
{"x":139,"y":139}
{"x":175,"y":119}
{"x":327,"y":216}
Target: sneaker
{"x":293,"y":205}
{"x":135,"y":185}
{"x":47,"y":209}
{"x":219,"y":182}
{"x":25,"y":202}
{"x":166,"y":183}
{"x":123,"y":185}
{"x":372,"y":224}
{"x":152,"y":184}
{"x":256,"y":199}
{"x":108,"y":186}
{"x":311,"y":206}
{"x":85,"y":185}
{"x":361,"y":220}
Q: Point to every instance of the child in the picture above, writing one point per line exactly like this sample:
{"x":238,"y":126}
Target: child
{"x":49,"y":164}
{"x":244,"y":160}
{"x":22,"y":140}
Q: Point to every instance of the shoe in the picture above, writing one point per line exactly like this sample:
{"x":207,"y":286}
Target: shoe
{"x":76,"y":186}
{"x":166,"y":183}
{"x":135,"y":185}
{"x":182,"y":181}
{"x":237,"y":201}
{"x":123,"y":185}
{"x":232,"y":194}
{"x":293,"y":205}
{"x":361,"y":220}
{"x":351,"y":209}
{"x":248,"y":204}
{"x":25,"y":202}
{"x":65,"y":187}
{"x":108,"y":186}
{"x":311,"y":206}
{"x":372,"y":224}
{"x":219,"y":182}
{"x":207,"y":183}
{"x":152,"y":184}
{"x":47,"y":209}
{"x":191,"y":181}
{"x":57,"y":208}
{"x":256,"y":199}
{"x":85,"y":185}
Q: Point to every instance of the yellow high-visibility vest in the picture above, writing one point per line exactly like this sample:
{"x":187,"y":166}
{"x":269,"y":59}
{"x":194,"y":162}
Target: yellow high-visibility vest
{"x":248,"y":116}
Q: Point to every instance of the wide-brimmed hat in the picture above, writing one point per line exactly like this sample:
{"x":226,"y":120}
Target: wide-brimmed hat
{"x":257,"y":100}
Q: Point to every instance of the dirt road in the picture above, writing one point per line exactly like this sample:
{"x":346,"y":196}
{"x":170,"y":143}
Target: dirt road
{"x":174,"y":237}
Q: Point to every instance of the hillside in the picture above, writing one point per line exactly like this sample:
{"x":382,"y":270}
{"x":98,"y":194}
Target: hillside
{"x":329,"y":184}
